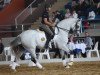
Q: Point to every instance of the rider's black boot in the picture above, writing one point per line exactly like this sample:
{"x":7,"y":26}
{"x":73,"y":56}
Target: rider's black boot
{"x":47,"y":44}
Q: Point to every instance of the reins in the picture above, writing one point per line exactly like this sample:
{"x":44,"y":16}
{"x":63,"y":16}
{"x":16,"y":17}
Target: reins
{"x":61,"y":29}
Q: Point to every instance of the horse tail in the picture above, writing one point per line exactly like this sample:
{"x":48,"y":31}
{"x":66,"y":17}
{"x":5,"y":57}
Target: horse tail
{"x":16,"y":41}
{"x":14,"y":47}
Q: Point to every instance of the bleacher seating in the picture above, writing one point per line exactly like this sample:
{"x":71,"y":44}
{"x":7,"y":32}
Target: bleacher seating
{"x":88,"y":9}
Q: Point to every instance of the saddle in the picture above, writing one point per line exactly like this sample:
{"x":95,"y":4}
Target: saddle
{"x":47,"y":36}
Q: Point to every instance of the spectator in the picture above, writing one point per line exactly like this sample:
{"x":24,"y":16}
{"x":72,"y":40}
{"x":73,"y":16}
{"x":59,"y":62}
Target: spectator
{"x":74,"y":14}
{"x":86,"y":24}
{"x":72,"y":38}
{"x":88,"y":41}
{"x":71,"y":45}
{"x":1,"y":4}
{"x":1,"y":47}
{"x":81,"y":1}
{"x":57,"y":53}
{"x":56,"y":16}
{"x":27,"y":56}
{"x":89,"y":2}
{"x":68,"y":14}
{"x":81,"y":8}
{"x":98,"y":8}
{"x":77,"y":50}
{"x":83,"y":48}
{"x":7,"y":2}
{"x":73,"y":5}
{"x":91,"y":15}
{"x":68,"y":5}
{"x":96,"y":1}
{"x":76,"y":1}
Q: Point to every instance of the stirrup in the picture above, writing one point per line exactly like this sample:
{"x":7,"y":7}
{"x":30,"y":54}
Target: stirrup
{"x":47,"y":47}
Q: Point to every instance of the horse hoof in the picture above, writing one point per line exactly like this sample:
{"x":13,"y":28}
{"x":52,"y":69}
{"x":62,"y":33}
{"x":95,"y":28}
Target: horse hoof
{"x":67,"y":67}
{"x":13,"y":70}
{"x":31,"y":64}
{"x":43,"y":68}
{"x":17,"y":64}
{"x":70,"y":63}
{"x":10,"y":65}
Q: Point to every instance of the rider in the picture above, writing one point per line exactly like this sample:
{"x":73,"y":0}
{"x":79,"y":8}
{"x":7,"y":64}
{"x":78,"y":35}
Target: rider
{"x":47,"y":25}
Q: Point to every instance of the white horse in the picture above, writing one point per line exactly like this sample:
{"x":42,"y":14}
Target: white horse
{"x":31,"y":39}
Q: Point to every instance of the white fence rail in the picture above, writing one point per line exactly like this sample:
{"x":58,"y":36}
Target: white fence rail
{"x":53,"y":60}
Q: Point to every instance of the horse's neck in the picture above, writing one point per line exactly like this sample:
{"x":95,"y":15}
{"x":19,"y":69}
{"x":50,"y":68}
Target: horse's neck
{"x":61,"y":31}
{"x":61,"y":35}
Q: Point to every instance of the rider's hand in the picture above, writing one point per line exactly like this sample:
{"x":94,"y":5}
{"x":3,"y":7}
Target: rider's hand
{"x":53,"y":24}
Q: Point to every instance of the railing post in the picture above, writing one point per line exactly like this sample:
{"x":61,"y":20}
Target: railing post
{"x":81,"y":28}
{"x":31,"y":9}
{"x":16,"y":22}
{"x":22,"y":27}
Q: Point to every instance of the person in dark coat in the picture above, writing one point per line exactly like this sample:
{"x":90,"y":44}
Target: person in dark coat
{"x":1,"y":47}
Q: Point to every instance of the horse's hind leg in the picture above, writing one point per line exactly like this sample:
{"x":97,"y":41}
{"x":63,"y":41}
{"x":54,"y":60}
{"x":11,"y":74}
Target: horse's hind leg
{"x":13,"y":64}
{"x":33,"y":58}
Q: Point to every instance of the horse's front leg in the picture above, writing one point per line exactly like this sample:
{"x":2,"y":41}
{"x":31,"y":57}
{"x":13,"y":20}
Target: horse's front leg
{"x":71,"y":59}
{"x":62,"y":52}
{"x":70,"y":62}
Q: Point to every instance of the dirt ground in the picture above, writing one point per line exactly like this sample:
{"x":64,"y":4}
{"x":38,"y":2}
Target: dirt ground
{"x":79,"y":68}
